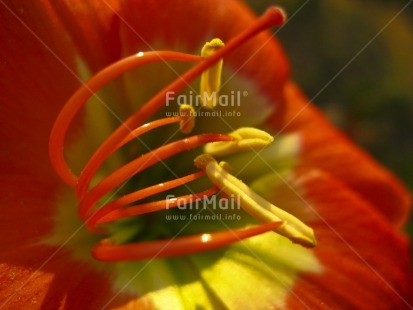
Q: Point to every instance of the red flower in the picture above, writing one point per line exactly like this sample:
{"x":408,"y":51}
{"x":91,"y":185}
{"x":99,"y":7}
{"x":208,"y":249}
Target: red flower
{"x":311,"y":170}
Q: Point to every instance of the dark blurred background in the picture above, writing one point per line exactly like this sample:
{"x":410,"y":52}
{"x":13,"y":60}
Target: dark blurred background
{"x":354,"y":58}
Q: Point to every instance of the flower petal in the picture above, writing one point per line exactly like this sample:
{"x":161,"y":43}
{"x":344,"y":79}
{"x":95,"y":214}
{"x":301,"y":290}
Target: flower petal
{"x":365,"y":262}
{"x":36,"y":81}
{"x":94,"y":28}
{"x":33,"y":274}
{"x":373,"y":260}
{"x":324,"y":147}
{"x":61,"y":282}
{"x":257,"y":273}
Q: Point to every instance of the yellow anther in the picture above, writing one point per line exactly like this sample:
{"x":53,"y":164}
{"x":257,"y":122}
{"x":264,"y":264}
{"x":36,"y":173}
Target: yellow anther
{"x":203,"y":160}
{"x":254,"y":204}
{"x":247,"y":139}
{"x":187,"y":122}
{"x":211,"y":78}
{"x":224,"y":165}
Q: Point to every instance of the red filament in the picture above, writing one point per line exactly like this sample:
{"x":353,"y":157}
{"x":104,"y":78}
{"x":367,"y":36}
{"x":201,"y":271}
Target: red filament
{"x":133,"y":128}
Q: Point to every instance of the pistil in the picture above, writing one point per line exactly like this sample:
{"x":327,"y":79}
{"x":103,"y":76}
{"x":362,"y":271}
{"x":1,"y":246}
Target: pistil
{"x":255,"y":205}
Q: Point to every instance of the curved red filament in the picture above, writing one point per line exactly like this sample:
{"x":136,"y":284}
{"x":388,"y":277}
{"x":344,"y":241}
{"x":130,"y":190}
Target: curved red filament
{"x":101,"y":155}
{"x":159,"y":205}
{"x":138,"y":195}
{"x":87,"y":90}
{"x":106,"y":251}
{"x":139,"y":164}
{"x":132,"y":128}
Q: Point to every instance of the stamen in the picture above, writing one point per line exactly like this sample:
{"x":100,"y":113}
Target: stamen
{"x":246,"y":139}
{"x":101,"y":155}
{"x":274,"y":16}
{"x":87,"y":90}
{"x":107,"y":251}
{"x":210,"y":67}
{"x":226,"y":166}
{"x":211,"y":78}
{"x":159,"y":205}
{"x":187,"y":114}
{"x":139,"y":164}
{"x":138,"y":195}
{"x":255,"y":205}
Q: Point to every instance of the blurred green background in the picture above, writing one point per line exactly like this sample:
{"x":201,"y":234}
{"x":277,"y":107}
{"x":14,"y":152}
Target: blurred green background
{"x":355,"y":60}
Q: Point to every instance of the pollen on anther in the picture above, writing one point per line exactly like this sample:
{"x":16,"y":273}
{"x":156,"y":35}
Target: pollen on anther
{"x":187,"y":122}
{"x":211,"y":78}
{"x":245,"y":139}
{"x":254,"y":204}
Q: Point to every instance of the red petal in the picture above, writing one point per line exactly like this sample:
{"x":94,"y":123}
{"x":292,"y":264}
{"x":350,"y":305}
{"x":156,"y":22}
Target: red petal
{"x":35,"y":275}
{"x":326,"y":148}
{"x":94,"y":28}
{"x":366,"y":263}
{"x":27,"y":207}
{"x":38,"y":277}
{"x":35,"y":82}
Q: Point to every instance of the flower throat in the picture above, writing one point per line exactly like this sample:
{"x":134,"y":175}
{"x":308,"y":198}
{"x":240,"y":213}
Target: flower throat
{"x":208,"y":66}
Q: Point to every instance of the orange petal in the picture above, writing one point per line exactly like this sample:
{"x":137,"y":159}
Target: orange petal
{"x":34,"y":275}
{"x":365,"y":261}
{"x":35,"y":82}
{"x":326,"y":148}
{"x":27,"y":206}
{"x":94,"y":28}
